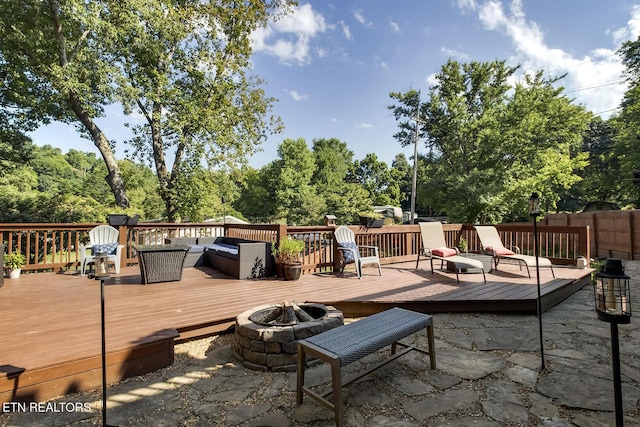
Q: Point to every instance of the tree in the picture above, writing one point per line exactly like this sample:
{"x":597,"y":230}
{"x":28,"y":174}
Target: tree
{"x":185,"y":70}
{"x":183,"y":66}
{"x":493,"y":144}
{"x":380,"y":181}
{"x":297,"y":201}
{"x":53,"y":67}
{"x":257,"y":194}
{"x":600,"y":178}
{"x":404,"y":172}
{"x":627,"y":123}
{"x":334,"y":163}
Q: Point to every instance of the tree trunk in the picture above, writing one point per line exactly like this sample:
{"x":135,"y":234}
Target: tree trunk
{"x":161,"y":164}
{"x":114,"y":179}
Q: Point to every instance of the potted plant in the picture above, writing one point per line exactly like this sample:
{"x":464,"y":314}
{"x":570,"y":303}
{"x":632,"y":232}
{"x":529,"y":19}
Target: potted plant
{"x":371,"y":219}
{"x":286,"y":255}
{"x":462,"y":245}
{"x":13,"y":263}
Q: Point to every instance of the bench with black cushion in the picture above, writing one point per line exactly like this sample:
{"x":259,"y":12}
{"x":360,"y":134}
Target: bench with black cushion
{"x":239,"y":258}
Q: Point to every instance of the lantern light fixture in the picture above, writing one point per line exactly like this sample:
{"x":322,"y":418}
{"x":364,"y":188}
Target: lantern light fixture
{"x":612,"y":293}
{"x":534,"y":205}
{"x":613,"y":305}
{"x":101,"y":266}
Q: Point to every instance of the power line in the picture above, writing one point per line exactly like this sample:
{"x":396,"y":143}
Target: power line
{"x":595,"y":86}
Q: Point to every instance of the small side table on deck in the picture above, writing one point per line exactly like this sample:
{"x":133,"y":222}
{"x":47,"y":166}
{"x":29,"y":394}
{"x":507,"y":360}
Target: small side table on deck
{"x":486,"y":260}
{"x":161,"y":263}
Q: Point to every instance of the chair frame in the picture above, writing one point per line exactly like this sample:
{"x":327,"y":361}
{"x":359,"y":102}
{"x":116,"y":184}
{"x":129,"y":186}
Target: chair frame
{"x":100,"y":235}
{"x":343,"y":235}
{"x":432,"y":235}
{"x":489,"y":237}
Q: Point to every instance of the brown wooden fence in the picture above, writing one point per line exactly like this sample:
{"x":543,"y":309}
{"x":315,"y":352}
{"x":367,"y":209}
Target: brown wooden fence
{"x":55,"y":246}
{"x":614,"y":234}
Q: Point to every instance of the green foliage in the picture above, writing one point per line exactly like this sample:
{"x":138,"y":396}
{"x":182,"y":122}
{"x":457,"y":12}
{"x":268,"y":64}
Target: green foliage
{"x":627,"y":126}
{"x":186,"y":72}
{"x":14,"y":260}
{"x":297,"y":201}
{"x":287,"y":251}
{"x":491,"y":144}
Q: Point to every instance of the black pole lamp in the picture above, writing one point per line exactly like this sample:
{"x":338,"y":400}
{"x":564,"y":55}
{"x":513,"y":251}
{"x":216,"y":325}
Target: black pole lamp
{"x":101,"y":272}
{"x":534,"y":211}
{"x":613,"y":305}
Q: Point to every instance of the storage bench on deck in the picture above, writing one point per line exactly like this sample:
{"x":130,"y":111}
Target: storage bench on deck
{"x":346,"y":344}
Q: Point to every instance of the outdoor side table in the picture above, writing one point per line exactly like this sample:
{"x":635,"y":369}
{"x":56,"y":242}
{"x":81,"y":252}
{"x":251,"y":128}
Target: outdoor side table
{"x":161,"y":263}
{"x":486,"y":260}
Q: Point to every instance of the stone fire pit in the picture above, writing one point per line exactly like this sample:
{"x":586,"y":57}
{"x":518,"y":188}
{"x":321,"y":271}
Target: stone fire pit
{"x":266,"y":337}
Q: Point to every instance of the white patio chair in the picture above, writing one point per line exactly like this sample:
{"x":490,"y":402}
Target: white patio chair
{"x":102,"y":238}
{"x":351,"y":252}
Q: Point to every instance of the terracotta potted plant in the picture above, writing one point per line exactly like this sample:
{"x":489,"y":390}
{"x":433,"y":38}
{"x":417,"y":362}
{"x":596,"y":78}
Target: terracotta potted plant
{"x":286,"y":255}
{"x":13,"y":263}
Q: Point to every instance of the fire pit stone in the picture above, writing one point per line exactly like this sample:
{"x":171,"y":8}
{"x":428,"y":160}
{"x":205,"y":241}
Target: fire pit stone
{"x":273,"y":345}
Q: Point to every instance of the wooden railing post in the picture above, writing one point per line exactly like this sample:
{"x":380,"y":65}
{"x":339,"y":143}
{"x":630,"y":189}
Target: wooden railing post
{"x":122,"y":240}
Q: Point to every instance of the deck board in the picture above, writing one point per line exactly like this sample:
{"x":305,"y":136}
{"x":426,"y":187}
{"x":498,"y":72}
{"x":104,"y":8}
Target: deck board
{"x":51,"y":322}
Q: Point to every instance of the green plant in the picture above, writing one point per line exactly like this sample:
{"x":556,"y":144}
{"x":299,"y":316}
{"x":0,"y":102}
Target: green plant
{"x":462,"y":244}
{"x":14,"y":260}
{"x":370,"y":214}
{"x":287,"y":251}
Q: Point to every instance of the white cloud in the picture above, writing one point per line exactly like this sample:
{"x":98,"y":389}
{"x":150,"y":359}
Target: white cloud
{"x":394,"y":26}
{"x":289,"y":38}
{"x":346,"y":31}
{"x":452,"y":53}
{"x":631,"y":31}
{"x":361,"y":19}
{"x":363,"y":125}
{"x":297,"y":96}
{"x":599,"y":66}
{"x":380,"y":63}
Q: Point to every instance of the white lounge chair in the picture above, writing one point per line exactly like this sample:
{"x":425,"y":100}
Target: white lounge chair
{"x":434,"y":246}
{"x":351,"y":252}
{"x":492,"y":245}
{"x":101,"y":238}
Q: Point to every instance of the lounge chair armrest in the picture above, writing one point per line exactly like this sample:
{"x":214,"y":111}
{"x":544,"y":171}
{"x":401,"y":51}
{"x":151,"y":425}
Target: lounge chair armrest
{"x":515,"y":249}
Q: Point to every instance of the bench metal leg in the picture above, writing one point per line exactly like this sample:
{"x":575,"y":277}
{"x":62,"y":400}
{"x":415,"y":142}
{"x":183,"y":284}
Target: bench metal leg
{"x":336,"y":379}
{"x":302,"y":366}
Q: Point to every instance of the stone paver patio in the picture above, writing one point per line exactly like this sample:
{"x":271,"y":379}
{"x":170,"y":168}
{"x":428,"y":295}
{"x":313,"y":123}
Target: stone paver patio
{"x":488,"y":375}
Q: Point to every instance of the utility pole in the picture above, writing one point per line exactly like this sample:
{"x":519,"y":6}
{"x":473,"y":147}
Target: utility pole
{"x":414,"y":181}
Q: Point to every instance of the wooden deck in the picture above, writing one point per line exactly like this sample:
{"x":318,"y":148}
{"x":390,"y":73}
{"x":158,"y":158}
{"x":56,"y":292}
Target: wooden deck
{"x":50,"y":337}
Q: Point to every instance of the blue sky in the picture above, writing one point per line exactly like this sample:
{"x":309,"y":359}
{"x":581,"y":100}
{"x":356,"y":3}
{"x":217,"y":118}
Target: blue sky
{"x":332,"y":65}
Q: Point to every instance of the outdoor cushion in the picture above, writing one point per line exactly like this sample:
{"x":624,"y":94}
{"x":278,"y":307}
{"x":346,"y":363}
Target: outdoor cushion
{"x":444,"y":252}
{"x":196,"y":248}
{"x":348,"y":255}
{"x":108,"y":248}
{"x":224,"y":250}
{"x":499,"y":251}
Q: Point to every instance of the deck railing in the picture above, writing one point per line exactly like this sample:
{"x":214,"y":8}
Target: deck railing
{"x":55,"y":246}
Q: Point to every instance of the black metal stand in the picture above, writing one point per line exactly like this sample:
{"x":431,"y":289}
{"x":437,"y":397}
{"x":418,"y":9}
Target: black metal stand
{"x":617,"y":379}
{"x":104,"y":358}
{"x":539,"y":302}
